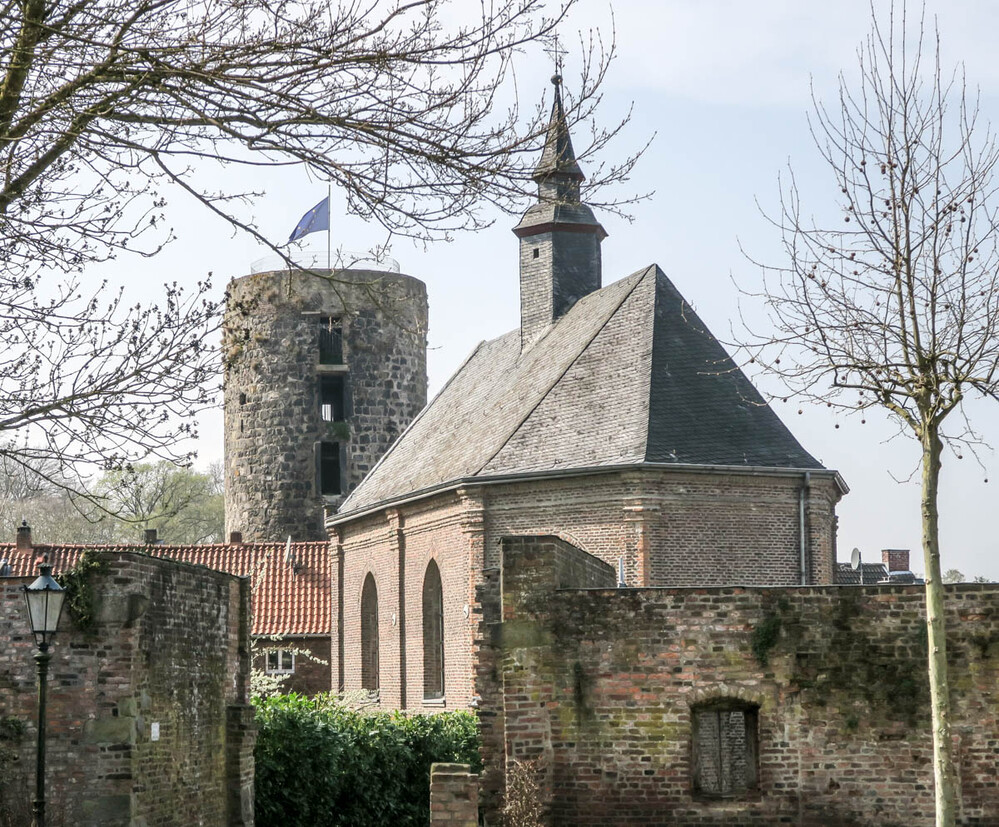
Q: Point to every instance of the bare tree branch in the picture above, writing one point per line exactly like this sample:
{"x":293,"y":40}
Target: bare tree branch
{"x":897,"y":305}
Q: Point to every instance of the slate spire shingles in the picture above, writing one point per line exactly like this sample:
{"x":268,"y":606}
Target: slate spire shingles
{"x":558,"y":156}
{"x":559,"y":236}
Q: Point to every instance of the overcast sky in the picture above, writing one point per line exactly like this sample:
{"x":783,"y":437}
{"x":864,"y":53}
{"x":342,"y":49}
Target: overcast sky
{"x":726,"y":86}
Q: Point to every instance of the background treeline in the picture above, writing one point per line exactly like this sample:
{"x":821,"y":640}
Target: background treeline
{"x":183,"y":505}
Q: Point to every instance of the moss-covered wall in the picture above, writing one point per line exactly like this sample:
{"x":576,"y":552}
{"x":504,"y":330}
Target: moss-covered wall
{"x":601,"y":684}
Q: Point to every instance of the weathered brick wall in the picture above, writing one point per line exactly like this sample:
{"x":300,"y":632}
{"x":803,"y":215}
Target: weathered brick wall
{"x":601,"y":684}
{"x":170,"y":650}
{"x":396,"y":548}
{"x":676,"y":528}
{"x":669,"y":527}
{"x":454,"y":796}
{"x":272,"y":414}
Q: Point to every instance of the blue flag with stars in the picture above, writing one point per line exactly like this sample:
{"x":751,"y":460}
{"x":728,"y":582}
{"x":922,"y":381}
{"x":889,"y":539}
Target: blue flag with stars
{"x":316,"y":219}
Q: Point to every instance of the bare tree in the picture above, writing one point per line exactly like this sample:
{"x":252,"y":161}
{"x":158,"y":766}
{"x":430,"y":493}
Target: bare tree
{"x":395,"y":102}
{"x":87,"y":383}
{"x":109,"y":106}
{"x":896,"y":304}
{"x":184,"y":506}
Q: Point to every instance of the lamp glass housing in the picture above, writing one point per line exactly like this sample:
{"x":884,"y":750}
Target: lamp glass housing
{"x":44,"y":599}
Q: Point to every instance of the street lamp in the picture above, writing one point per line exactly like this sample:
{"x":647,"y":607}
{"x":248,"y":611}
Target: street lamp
{"x":44,"y":599}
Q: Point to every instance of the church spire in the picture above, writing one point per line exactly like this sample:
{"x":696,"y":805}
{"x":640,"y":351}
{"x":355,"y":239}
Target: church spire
{"x":559,"y":236}
{"x":558,"y":157}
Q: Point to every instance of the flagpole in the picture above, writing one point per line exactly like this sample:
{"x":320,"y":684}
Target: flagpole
{"x":329,"y":228}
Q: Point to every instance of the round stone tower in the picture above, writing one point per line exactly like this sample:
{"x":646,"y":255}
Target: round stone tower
{"x":323,"y":370}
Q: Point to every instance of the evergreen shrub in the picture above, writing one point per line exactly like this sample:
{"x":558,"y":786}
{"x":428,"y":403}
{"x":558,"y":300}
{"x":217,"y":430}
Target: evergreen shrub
{"x":321,"y":764}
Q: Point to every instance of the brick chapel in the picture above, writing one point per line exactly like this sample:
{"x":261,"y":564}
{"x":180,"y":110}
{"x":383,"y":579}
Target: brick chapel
{"x":600,"y":537}
{"x":611,"y":418}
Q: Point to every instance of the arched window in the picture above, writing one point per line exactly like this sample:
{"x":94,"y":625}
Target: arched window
{"x":369,"y":635}
{"x":725,"y":748}
{"x":433,"y":634}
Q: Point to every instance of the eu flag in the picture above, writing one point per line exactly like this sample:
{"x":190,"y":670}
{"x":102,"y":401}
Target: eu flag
{"x":316,"y":219}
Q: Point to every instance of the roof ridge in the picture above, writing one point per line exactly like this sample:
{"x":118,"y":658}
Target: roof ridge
{"x":558,"y":378}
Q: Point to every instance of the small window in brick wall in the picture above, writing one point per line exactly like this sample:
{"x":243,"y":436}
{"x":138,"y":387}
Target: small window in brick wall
{"x":725,"y":749}
{"x":332,"y":407}
{"x":369,"y":635}
{"x":330,"y":341}
{"x":280,"y":661}
{"x":328,"y":468}
{"x":433,"y":634}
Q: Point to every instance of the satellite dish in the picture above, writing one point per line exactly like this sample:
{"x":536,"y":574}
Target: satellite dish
{"x":855,"y":559}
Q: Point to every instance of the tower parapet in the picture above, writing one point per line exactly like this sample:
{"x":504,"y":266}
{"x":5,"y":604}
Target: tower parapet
{"x":322,"y":372}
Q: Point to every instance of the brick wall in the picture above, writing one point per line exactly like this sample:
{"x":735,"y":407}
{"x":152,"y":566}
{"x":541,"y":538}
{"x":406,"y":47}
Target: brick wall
{"x":169,"y":652}
{"x":669,"y":528}
{"x":602,"y":686}
{"x":677,"y":528}
{"x":396,"y":547}
{"x":454,"y":796}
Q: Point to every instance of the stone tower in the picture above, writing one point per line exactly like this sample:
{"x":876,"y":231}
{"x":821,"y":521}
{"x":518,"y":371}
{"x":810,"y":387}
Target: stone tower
{"x":322,"y":372}
{"x":559,"y":236}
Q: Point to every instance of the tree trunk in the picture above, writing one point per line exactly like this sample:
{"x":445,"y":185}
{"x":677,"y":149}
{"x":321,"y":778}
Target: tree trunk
{"x":944,"y":776}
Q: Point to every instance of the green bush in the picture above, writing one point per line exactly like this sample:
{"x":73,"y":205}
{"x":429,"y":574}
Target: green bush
{"x":324,"y":765}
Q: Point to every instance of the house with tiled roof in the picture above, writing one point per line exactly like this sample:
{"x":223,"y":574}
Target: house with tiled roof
{"x":892,"y":570}
{"x":611,"y":419}
{"x":290,"y":594}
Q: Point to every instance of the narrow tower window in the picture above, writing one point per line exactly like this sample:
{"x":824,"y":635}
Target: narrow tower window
{"x":433,"y":634}
{"x":331,"y":399}
{"x":369,"y":635}
{"x":330,"y":341}
{"x":328,"y":467}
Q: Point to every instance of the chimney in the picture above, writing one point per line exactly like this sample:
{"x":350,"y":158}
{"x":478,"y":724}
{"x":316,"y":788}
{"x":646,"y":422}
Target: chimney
{"x":24,"y":536}
{"x":149,"y":536}
{"x":235,"y":538}
{"x":895,"y":559}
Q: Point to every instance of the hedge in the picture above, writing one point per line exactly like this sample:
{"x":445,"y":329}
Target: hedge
{"x":323,"y":765}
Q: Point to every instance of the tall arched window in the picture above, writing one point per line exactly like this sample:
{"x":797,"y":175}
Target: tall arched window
{"x":369,"y":635}
{"x":433,"y":634}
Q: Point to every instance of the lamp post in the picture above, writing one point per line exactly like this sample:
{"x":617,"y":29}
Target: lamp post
{"x":44,"y":599}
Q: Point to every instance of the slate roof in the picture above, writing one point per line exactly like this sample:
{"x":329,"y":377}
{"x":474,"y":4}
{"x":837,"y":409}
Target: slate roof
{"x":628,"y":375}
{"x":290,"y":598}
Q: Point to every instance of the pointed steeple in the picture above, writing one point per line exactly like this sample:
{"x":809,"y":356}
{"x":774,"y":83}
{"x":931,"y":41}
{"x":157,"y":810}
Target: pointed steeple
{"x":558,"y":157}
{"x":559,"y":236}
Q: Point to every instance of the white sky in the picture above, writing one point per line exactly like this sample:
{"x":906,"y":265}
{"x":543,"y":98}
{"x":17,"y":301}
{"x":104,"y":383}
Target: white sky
{"x":726,"y":85}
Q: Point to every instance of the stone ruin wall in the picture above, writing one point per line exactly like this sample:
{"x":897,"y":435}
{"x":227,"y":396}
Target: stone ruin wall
{"x":272,"y":418}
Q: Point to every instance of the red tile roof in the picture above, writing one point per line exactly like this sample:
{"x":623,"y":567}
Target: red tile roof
{"x":291,"y":586}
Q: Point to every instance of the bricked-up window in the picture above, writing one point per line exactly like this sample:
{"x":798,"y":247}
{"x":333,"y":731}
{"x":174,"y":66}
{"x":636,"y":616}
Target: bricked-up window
{"x":280,"y":661}
{"x":330,"y":341}
{"x":328,"y":467}
{"x":433,"y":634}
{"x":725,"y":749}
{"x":369,"y":635}
{"x":331,"y":399}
